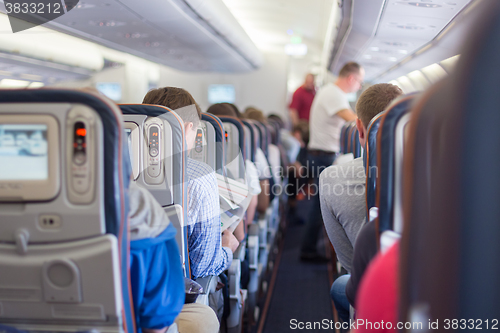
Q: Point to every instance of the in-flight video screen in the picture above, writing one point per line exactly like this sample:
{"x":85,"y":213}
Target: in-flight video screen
{"x":23,"y":152}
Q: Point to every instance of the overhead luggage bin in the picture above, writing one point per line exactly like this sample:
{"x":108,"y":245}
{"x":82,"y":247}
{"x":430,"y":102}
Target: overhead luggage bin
{"x":190,"y":35}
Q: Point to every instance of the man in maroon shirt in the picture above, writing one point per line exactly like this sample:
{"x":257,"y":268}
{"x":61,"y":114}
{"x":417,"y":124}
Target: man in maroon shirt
{"x":302,"y":100}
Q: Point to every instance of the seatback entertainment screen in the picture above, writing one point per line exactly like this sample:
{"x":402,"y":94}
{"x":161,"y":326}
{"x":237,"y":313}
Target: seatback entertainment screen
{"x":23,"y":152}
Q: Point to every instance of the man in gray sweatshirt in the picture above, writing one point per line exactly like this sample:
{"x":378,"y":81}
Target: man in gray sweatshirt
{"x":342,"y":191}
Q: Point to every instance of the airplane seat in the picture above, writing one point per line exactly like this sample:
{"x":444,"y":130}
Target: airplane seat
{"x":220,"y":152}
{"x":355,"y":146}
{"x":271,"y":129}
{"x":424,"y":154}
{"x":370,"y":162}
{"x":160,"y":164}
{"x":253,"y":243}
{"x":235,"y":140}
{"x":236,"y":149}
{"x":64,"y":252}
{"x":250,"y":141}
{"x":205,"y":146}
{"x":349,"y":136}
{"x":264,"y":220}
{"x":451,"y":227}
{"x":275,"y":163}
{"x":387,"y":141}
{"x":343,"y":141}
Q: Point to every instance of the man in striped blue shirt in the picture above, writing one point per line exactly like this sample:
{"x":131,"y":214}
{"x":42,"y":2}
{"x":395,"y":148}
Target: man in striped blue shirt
{"x":210,"y":253}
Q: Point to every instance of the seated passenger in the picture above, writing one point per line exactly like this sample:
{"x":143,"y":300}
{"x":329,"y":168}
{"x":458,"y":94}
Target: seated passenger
{"x":262,"y":165}
{"x":289,"y":142}
{"x":342,"y":192}
{"x":378,"y":293}
{"x":209,"y":253}
{"x":224,"y":110}
{"x":251,"y":172}
{"x":273,"y":158}
{"x":158,"y":298}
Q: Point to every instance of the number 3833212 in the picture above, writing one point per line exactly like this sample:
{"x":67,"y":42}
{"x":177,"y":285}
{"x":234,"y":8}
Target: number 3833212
{"x":34,"y":8}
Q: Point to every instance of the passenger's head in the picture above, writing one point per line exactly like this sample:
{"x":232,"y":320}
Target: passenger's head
{"x":351,"y":77}
{"x":371,"y":102}
{"x":255,"y":114}
{"x":277,"y":119}
{"x":222,"y":109}
{"x":309,"y":82}
{"x":301,"y":132}
{"x":182,"y":103}
{"x":235,"y":109}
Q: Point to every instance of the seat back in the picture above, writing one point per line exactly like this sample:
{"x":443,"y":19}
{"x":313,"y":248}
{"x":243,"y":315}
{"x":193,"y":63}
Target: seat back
{"x":450,"y":240}
{"x":355,"y":145}
{"x":400,"y":140}
{"x":220,"y":143}
{"x":159,"y":149}
{"x":64,"y":252}
{"x":386,"y":161}
{"x":252,"y":142}
{"x":264,"y":137}
{"x":274,"y":128}
{"x":370,"y":162}
{"x":205,"y":145}
{"x":349,"y":136}
{"x":343,"y":138}
{"x":236,"y":149}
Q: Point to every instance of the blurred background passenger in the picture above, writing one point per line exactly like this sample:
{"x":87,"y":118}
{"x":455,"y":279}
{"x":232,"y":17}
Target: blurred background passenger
{"x":302,"y":99}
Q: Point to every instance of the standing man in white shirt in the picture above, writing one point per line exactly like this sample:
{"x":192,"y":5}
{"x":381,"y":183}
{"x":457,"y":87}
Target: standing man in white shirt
{"x":329,"y":111}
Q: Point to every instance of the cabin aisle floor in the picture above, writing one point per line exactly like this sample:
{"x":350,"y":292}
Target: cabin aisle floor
{"x":301,"y":291}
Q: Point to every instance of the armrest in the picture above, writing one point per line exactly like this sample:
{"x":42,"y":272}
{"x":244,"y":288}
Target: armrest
{"x":253,"y":252}
{"x":240,"y":251}
{"x":208,"y":283}
{"x":387,"y":239}
{"x":234,"y":279}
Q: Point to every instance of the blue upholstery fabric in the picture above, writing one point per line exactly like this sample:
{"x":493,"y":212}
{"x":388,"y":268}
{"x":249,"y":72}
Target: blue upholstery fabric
{"x":348,"y":139}
{"x":117,"y":171}
{"x":357,"y":146}
{"x":343,"y":139}
{"x":371,"y":167}
{"x":354,"y":139}
{"x":386,"y":163}
{"x":480,"y":165}
{"x":219,"y":139}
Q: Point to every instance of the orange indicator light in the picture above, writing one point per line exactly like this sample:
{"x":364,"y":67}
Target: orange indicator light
{"x":81,"y":132}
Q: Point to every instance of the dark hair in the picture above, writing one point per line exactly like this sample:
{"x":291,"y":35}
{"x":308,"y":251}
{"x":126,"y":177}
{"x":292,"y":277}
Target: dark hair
{"x":277,"y":119}
{"x":375,"y":100}
{"x":303,"y":128}
{"x":350,"y":68}
{"x":221,"y":109}
{"x":235,"y":109}
{"x":175,"y":98}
